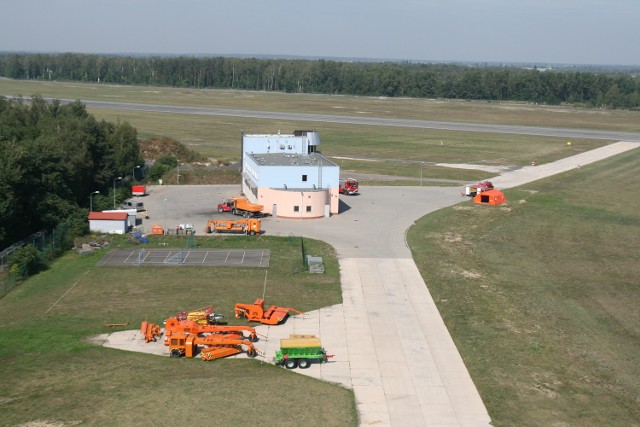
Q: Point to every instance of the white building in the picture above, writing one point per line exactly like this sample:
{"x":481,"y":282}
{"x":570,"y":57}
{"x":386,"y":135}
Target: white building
{"x":132,"y":215}
{"x":287,"y":175}
{"x":108,"y":222}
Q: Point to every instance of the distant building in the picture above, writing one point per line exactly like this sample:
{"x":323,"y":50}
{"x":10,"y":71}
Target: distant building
{"x":288,"y":176}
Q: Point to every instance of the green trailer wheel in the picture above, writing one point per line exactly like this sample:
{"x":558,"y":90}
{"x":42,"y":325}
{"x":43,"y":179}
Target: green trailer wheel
{"x":291,"y":363}
{"x":304,"y":363}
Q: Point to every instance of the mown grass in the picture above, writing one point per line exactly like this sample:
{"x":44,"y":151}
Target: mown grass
{"x":402,"y":150}
{"x":410,"y":108}
{"x":51,"y":373}
{"x":541,"y":296}
{"x":219,"y":137}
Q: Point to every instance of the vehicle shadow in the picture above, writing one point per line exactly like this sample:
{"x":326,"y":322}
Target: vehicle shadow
{"x":343,"y":207}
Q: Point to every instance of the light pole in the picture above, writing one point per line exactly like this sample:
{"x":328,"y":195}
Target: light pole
{"x":133,"y":174}
{"x":165,"y":217}
{"x":421,"y":165}
{"x":91,"y":200}
{"x":114,"y":191}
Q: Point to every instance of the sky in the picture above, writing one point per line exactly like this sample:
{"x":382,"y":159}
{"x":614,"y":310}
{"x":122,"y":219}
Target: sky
{"x":603,"y":32}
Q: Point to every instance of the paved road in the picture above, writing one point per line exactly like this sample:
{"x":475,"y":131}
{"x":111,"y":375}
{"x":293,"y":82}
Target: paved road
{"x":369,"y":121}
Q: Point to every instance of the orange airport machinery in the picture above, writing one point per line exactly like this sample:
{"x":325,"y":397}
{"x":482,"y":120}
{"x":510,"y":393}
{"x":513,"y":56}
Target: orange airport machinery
{"x":209,"y":347}
{"x":173,"y":326}
{"x":251,"y":226}
{"x":198,"y":332}
{"x":256,"y":313}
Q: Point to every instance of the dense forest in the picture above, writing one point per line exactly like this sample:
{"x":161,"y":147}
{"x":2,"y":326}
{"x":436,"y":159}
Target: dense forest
{"x":52,"y":159}
{"x":596,"y":89}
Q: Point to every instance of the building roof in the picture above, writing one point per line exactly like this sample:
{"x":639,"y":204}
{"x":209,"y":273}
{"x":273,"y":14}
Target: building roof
{"x":282,"y":159}
{"x":108,"y":216}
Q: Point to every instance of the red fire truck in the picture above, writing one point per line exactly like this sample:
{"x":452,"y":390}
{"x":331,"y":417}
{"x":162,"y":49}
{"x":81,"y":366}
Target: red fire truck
{"x":348,"y":186}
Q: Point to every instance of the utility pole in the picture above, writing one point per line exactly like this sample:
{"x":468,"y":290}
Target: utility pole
{"x":114,"y":191}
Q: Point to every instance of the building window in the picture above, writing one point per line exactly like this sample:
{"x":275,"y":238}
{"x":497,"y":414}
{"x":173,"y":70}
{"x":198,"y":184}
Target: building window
{"x":308,"y":208}
{"x":304,"y":178}
{"x":296,"y":208}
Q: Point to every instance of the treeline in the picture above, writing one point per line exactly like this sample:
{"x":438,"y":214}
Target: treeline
{"x":333,"y":77}
{"x":53,"y":158}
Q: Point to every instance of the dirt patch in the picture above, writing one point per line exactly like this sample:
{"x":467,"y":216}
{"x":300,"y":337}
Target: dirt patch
{"x":470,"y":274}
{"x":452,"y":237}
{"x":155,"y":148}
{"x":48,"y":423}
{"x":465,"y":273}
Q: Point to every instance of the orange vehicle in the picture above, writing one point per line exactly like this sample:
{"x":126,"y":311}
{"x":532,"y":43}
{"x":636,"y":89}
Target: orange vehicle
{"x":211,"y":346}
{"x":249,"y":226}
{"x":241,"y":206}
{"x":256,"y":313}
{"x":174,"y":326}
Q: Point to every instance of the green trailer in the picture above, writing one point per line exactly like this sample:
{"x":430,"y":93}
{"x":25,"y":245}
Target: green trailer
{"x":299,"y":351}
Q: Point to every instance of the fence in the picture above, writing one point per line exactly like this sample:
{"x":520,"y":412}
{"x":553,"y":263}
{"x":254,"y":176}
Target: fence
{"x":50,"y":243}
{"x":302,"y":265}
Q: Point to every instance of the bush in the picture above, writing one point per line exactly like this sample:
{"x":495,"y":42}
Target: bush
{"x":26,"y":261}
{"x":161,"y":166}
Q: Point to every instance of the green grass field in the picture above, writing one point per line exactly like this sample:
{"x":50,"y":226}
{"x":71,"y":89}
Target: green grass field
{"x":50,"y":373}
{"x":403,"y":149}
{"x":541,"y":296}
{"x":409,"y":108}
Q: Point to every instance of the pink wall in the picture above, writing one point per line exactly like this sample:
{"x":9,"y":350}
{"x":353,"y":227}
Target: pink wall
{"x":310,"y":203}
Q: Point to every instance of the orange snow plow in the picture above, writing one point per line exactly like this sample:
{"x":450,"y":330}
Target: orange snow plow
{"x":256,"y":313}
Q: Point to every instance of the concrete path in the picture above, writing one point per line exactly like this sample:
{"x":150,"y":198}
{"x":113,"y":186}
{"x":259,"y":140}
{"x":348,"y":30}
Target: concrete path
{"x":404,"y":367}
{"x":534,"y":173}
{"x":390,"y":343}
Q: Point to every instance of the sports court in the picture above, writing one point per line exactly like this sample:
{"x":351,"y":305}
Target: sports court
{"x":180,"y":256}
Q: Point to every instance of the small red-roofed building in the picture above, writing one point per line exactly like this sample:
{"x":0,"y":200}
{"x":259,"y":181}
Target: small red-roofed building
{"x":108,"y":222}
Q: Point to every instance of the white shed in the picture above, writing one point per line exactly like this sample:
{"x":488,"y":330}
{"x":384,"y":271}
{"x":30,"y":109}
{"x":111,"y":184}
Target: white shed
{"x":132,"y":215}
{"x":108,"y":222}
